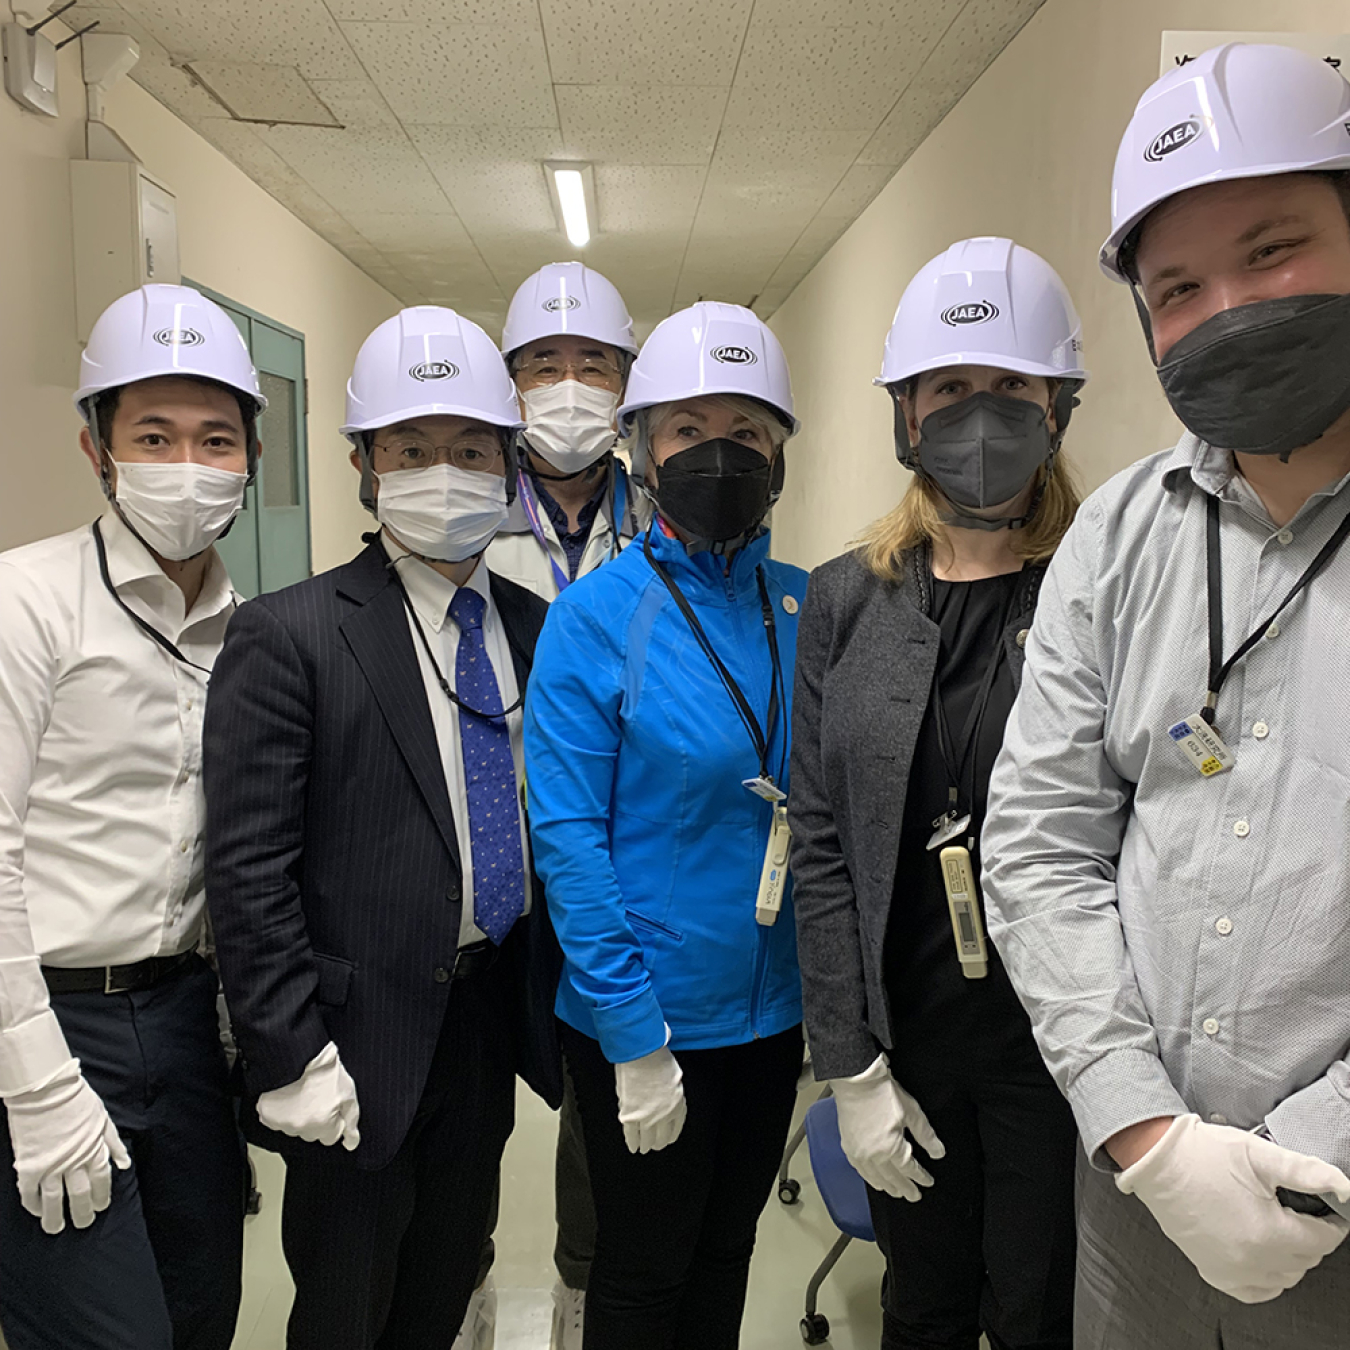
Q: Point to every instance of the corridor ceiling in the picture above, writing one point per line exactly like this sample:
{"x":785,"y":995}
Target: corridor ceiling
{"x":733,"y":140}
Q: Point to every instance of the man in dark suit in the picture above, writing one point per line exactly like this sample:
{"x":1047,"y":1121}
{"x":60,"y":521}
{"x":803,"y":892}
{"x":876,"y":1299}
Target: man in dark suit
{"x":368,"y":870}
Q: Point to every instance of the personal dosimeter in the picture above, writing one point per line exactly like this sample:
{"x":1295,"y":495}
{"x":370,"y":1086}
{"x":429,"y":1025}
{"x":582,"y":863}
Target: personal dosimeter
{"x":967,"y":926}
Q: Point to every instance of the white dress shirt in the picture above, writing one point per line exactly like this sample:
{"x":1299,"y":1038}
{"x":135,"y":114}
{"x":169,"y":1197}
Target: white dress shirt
{"x":431,"y":594}
{"x":1183,"y":943}
{"x":101,"y":804}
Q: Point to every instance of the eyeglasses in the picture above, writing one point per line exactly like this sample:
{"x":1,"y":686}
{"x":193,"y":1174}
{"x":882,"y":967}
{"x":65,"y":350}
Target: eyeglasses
{"x":593,"y":370}
{"x":413,"y":452}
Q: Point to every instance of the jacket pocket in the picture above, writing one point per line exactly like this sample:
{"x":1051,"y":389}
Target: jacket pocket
{"x":641,"y":921}
{"x":335,"y":977}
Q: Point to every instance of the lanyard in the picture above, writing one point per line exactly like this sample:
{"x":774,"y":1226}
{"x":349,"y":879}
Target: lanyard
{"x":1219,"y":669}
{"x":149,"y":629}
{"x":493,"y":719}
{"x":956,"y":759}
{"x":759,"y":737}
{"x":530,"y":503}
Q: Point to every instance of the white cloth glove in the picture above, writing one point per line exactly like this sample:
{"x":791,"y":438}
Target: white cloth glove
{"x":320,"y":1106}
{"x":64,"y":1142}
{"x":651,"y":1100}
{"x":874,"y":1113}
{"x":1212,"y":1190}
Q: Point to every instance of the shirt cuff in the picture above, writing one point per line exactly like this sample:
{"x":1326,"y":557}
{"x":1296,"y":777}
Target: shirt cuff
{"x":1316,"y":1121}
{"x":31,"y":1054}
{"x":1121,"y":1089}
{"x":631,"y":1029}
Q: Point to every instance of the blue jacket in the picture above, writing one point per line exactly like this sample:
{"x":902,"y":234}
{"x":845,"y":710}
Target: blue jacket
{"x":649,"y":847}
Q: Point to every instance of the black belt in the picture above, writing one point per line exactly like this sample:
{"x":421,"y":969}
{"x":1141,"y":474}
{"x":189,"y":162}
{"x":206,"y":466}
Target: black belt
{"x":114,"y":979}
{"x":475,"y":959}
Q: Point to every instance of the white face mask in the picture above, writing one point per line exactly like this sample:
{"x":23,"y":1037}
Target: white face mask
{"x":570,"y":424}
{"x":441,"y":512}
{"x":179,"y":510}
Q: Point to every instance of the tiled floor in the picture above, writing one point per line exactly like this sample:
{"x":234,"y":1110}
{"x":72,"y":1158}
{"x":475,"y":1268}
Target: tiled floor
{"x":791,"y":1243}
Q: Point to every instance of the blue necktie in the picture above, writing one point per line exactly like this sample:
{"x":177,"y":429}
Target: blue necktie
{"x":489,"y":776}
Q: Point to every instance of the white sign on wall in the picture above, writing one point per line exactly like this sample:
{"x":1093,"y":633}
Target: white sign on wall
{"x":1179,"y":47}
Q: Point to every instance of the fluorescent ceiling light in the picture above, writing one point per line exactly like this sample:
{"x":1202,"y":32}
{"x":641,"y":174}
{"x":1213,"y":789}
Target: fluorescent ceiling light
{"x":571,"y":190}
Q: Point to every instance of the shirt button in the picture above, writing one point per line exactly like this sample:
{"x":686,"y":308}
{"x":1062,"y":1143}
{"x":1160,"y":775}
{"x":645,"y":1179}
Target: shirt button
{"x":183,"y":847}
{"x":1023,"y":636}
{"x":1260,"y":730}
{"x":1241,"y":829}
{"x":790,"y":604}
{"x":1224,"y":926}
{"x":189,"y":705}
{"x":1273,"y":631}
{"x":1210,"y":1026}
{"x":440,"y":975}
{"x":1285,"y":536}
{"x":1217,"y":1118}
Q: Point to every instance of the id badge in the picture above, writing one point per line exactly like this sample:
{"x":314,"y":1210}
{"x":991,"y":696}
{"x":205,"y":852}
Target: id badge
{"x":948,"y":828}
{"x":773,"y":876}
{"x":765,"y":788}
{"x":1202,"y":746}
{"x":959,"y":880}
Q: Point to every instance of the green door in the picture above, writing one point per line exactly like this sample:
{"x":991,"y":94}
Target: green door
{"x":268,"y":545}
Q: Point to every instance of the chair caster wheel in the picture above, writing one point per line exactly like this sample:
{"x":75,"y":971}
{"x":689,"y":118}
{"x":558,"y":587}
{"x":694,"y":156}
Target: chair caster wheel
{"x":815,"y":1329}
{"x":789,"y":1191}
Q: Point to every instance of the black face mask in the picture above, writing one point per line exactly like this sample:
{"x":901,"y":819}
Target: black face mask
{"x":1264,"y":378}
{"x":717,"y":490}
{"x":983,"y":451}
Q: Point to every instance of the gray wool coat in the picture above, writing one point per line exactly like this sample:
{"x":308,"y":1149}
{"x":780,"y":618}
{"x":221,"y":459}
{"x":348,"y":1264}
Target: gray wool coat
{"x":866,"y":653}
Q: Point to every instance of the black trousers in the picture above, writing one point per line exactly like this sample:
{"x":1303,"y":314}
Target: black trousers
{"x":160,"y":1267}
{"x":389,"y":1258}
{"x":676,"y":1229}
{"x":990,"y":1246}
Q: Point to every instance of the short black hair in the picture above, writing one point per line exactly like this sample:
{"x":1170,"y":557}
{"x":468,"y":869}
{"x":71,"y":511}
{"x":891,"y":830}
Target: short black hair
{"x":1339,"y":179}
{"x":107,"y":401}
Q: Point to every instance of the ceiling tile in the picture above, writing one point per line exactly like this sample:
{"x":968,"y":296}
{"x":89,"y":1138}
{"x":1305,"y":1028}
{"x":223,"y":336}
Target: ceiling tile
{"x":264,"y":93}
{"x":958,"y":60}
{"x":355,"y":103}
{"x":676,"y":42}
{"x":503,"y":13}
{"x":640,"y":124}
{"x":493,"y":176}
{"x":461,"y":75}
{"x":300,"y":33}
{"x":855,"y":190}
{"x":647,"y":199}
{"x":411,"y":236}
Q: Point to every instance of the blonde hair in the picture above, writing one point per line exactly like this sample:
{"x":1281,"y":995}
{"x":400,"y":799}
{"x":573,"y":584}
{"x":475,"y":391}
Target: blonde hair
{"x":758,"y":414}
{"x":917,"y":520}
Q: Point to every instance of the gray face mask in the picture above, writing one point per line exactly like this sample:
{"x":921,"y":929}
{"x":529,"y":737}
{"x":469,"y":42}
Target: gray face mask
{"x":983,"y":451}
{"x":1264,"y":378}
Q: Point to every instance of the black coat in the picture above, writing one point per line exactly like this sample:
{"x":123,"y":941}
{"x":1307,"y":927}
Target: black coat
{"x":332,"y":866}
{"x":866,"y":653}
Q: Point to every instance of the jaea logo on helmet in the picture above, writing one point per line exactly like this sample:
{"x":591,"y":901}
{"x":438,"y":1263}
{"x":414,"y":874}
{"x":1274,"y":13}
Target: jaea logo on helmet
{"x":434,"y":370}
{"x":731,"y":355}
{"x":182,"y":337}
{"x":1174,"y":138}
{"x":559,"y":302}
{"x":970,"y":311}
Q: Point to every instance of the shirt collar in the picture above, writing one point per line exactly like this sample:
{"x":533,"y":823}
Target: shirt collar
{"x":132,"y":568}
{"x":429,"y":591}
{"x":1215,"y":471}
{"x":558,"y":517}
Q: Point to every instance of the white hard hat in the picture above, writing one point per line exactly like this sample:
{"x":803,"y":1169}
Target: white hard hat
{"x":1243,"y":110}
{"x":424,"y":361}
{"x":164,"y":330}
{"x":428,"y":360}
{"x":568,"y":297}
{"x":985,"y":302}
{"x":709,"y":348}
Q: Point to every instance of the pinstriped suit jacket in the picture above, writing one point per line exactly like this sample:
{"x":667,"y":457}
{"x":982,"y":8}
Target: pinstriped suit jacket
{"x":332,"y":866}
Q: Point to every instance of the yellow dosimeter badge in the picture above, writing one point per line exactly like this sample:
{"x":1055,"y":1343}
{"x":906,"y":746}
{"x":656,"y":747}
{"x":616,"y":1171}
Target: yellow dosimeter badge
{"x":967,"y":926}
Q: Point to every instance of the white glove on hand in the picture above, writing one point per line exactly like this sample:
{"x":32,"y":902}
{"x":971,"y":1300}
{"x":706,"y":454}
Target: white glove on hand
{"x":1212,"y":1190}
{"x":64,"y":1141}
{"x":651,"y":1101}
{"x":874,"y":1113}
{"x":319,"y":1106}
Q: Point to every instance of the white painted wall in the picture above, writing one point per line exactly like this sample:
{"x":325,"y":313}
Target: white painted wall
{"x":233,"y":238}
{"x":1028,"y":153}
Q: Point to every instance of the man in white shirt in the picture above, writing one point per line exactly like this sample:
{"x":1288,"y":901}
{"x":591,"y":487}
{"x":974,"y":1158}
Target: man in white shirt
{"x":367,"y":859}
{"x":113,"y":1082}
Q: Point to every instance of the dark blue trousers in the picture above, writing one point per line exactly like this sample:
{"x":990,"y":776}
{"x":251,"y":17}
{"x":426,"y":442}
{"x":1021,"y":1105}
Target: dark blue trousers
{"x":160,"y":1268}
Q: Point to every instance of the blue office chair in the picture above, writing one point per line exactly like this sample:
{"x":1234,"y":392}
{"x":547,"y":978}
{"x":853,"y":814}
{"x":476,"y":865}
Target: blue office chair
{"x":845,"y":1198}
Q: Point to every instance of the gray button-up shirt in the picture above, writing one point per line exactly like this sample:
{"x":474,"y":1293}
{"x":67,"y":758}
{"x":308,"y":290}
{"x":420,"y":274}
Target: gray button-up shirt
{"x":1183,"y":943}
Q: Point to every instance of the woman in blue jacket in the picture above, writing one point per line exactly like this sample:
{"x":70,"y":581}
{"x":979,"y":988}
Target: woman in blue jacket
{"x":656,"y":745}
